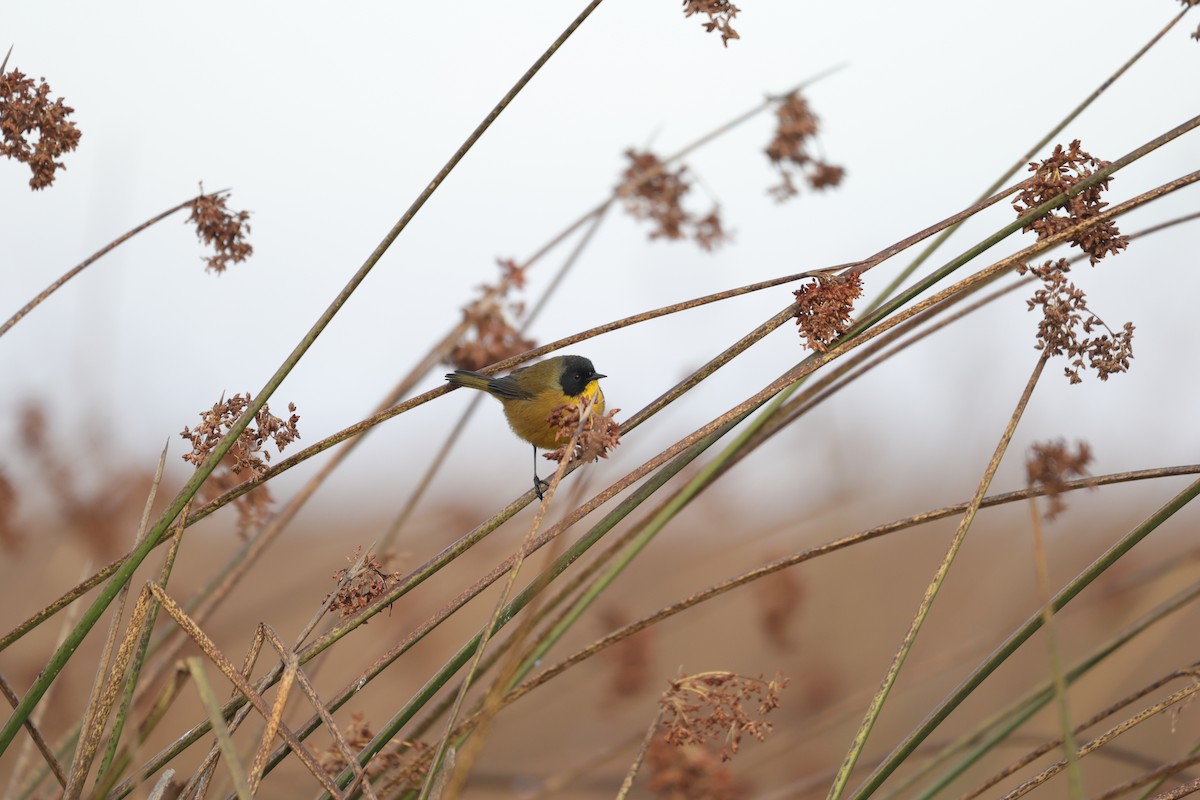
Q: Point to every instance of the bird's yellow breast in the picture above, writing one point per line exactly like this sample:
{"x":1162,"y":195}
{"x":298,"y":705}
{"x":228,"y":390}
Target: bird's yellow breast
{"x":529,"y":417}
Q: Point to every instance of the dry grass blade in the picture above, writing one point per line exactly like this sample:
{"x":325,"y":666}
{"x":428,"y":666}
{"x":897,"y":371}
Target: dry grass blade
{"x":36,"y":735}
{"x":224,"y":737}
{"x":235,"y":677}
{"x":100,"y":702}
{"x":310,"y":692}
{"x":864,"y":731}
{"x":631,"y":773}
{"x":1108,"y":736}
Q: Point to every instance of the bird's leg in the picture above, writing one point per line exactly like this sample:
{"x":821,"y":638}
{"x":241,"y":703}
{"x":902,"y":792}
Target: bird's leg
{"x":539,"y":485}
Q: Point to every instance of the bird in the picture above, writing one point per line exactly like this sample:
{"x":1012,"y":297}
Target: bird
{"x":531,"y":393}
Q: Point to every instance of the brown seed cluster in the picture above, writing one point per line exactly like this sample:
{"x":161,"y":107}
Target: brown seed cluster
{"x":1051,"y":465}
{"x":720,"y":13}
{"x":711,"y":707}
{"x":630,"y":659}
{"x":223,"y":230}
{"x":246,"y":456}
{"x":406,"y":759}
{"x":1057,"y":174}
{"x":690,"y":773}
{"x":103,"y":515}
{"x":598,"y":433}
{"x":11,"y":538}
{"x":823,"y":309}
{"x":1067,"y":323}
{"x":796,"y":129}
{"x":492,"y":336}
{"x":779,"y":597}
{"x":358,"y":588}
{"x":651,"y":191}
{"x":27,"y":113}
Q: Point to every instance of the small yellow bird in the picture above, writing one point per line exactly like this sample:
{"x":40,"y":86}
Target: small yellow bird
{"x":531,"y":393}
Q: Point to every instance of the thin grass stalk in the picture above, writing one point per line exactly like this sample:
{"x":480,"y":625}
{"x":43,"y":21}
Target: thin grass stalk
{"x":1020,"y":636}
{"x":931,"y":592}
{"x":1031,"y":152}
{"x":59,"y":659}
{"x":1046,"y":746}
{"x":139,"y":658}
{"x":198,"y":784}
{"x":1104,"y":738}
{"x":631,"y":774}
{"x":1001,"y":725}
{"x":224,"y":738}
{"x":39,"y":741}
{"x":469,"y":748}
{"x":94,"y":719}
{"x":66,"y":749}
{"x":1155,"y":777}
{"x":78,"y":268}
{"x":1058,"y":679}
{"x":453,"y":784}
{"x":125,"y":755}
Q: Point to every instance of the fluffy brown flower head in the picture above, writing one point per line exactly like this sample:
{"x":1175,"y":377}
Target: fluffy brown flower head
{"x":795,"y":130}
{"x":651,"y":191}
{"x":720,"y":13}
{"x":224,"y":230}
{"x":823,"y":309}
{"x":691,"y":772}
{"x":101,"y":514}
{"x":26,"y":114}
{"x":491,"y":336}
{"x":1057,"y":174}
{"x":360,"y":584}
{"x":11,"y":539}
{"x":598,"y":433}
{"x":630,"y":659}
{"x":779,"y":597}
{"x":711,"y":707}
{"x":248,"y":454}
{"x":1067,"y":323}
{"x":1051,"y":465}
{"x":358,"y":734}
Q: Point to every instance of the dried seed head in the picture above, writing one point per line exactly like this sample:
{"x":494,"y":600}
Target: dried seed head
{"x":711,"y":707}
{"x":598,"y":433}
{"x":248,"y":454}
{"x":1066,"y":320}
{"x":361,"y":586}
{"x":795,"y":130}
{"x":222,"y":229}
{"x":25,"y":108}
{"x":630,"y":659}
{"x":691,"y":772}
{"x":358,"y":733}
{"x":720,"y":13}
{"x":650,"y":191}
{"x":779,"y":597}
{"x":823,"y":309}
{"x":492,"y":336}
{"x":1057,"y":174}
{"x":1051,"y":465}
{"x":11,"y":538}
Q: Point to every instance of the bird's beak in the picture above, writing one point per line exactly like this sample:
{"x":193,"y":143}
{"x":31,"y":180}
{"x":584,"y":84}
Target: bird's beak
{"x":597,"y":376}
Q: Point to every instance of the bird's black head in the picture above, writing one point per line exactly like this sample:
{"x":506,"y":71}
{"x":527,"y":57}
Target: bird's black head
{"x":577,"y":373}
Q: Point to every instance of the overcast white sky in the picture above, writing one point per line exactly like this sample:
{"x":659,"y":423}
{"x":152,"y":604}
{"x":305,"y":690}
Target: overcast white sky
{"x":327,"y":119}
